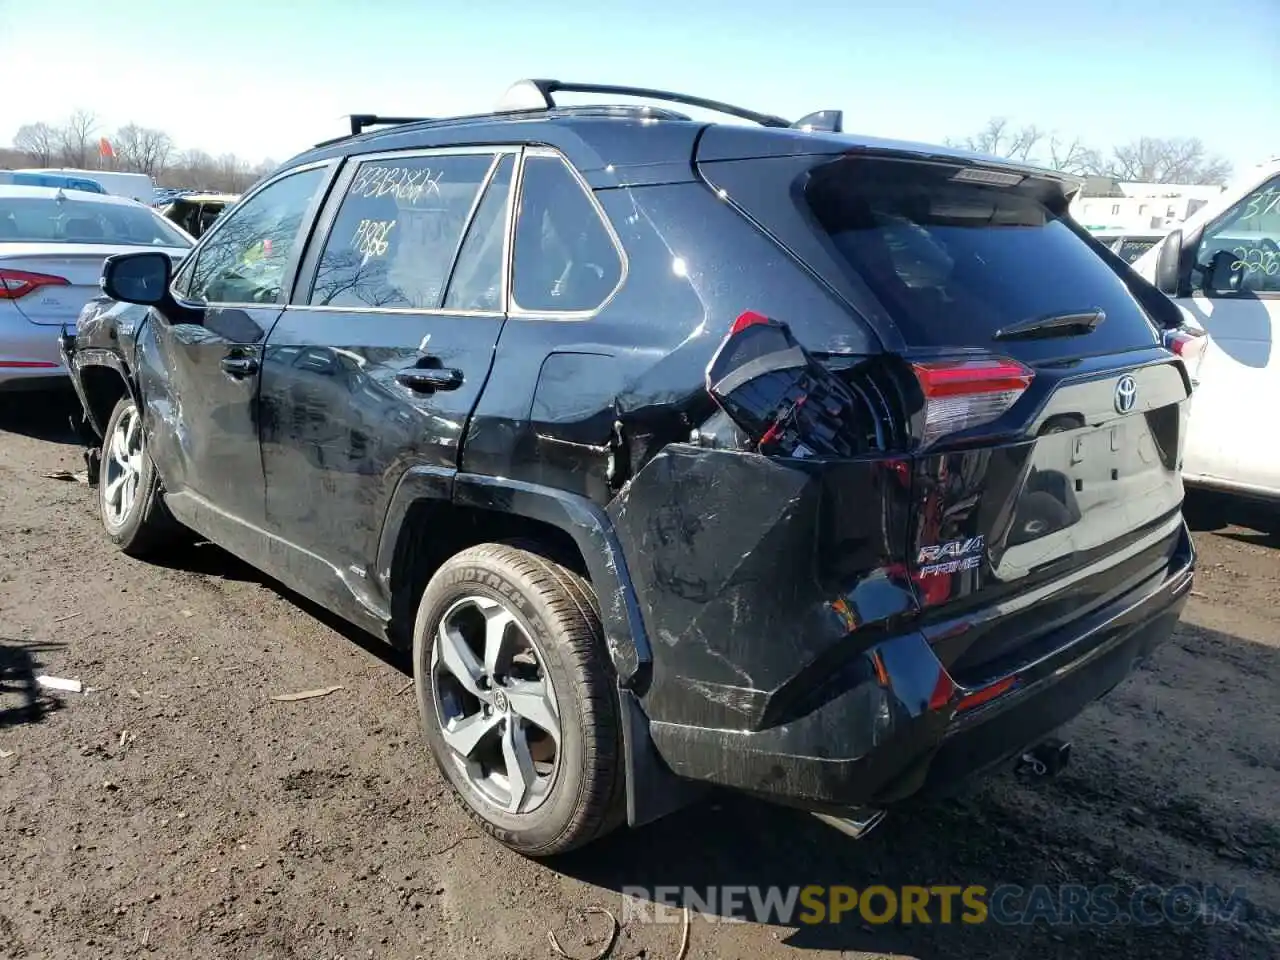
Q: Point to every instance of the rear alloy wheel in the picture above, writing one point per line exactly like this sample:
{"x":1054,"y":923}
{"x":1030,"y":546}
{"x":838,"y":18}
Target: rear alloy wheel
{"x":497,"y":712}
{"x":129,"y":497}
{"x":517,"y":698}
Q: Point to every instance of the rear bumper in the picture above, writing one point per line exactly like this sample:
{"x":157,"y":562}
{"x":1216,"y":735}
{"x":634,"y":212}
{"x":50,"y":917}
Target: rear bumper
{"x":898,"y":733}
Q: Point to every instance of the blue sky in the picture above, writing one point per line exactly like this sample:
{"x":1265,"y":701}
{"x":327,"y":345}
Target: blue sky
{"x":266,"y":78}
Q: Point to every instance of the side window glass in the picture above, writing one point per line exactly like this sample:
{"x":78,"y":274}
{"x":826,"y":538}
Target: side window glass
{"x":244,"y":260}
{"x":397,"y":231}
{"x":1241,"y":253}
{"x":564,"y":258}
{"x":477,"y":277}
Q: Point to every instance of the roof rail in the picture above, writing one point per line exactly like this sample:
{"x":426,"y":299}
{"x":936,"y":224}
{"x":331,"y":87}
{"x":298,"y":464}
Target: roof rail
{"x":359,"y":121}
{"x":537,"y":95}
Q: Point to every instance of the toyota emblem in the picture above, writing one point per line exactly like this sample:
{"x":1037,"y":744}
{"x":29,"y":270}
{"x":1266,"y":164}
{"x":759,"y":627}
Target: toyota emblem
{"x":1126,"y":394}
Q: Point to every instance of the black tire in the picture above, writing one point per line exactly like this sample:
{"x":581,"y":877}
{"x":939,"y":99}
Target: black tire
{"x":146,"y":526}
{"x":558,"y":613}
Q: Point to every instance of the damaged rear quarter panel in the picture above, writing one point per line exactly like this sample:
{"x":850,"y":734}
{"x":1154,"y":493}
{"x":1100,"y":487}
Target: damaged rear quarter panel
{"x":759,"y":578}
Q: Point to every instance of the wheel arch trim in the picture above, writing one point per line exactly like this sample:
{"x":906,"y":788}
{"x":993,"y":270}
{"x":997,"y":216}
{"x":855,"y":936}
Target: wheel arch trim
{"x":101,"y":358}
{"x":584,"y":521}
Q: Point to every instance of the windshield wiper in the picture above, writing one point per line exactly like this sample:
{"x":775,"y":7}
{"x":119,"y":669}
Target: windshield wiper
{"x":1053,"y":325}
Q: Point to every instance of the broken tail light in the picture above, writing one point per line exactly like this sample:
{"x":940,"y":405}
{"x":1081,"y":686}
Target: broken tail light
{"x":784,"y":400}
{"x":18,"y":283}
{"x":961,"y":394}
{"x":1188,"y":344}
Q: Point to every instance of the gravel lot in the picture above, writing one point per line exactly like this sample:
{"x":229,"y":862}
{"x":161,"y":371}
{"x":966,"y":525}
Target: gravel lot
{"x":174,"y":809}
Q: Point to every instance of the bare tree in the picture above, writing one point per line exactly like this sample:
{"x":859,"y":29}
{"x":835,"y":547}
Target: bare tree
{"x":128,"y":146}
{"x":1161,"y":160}
{"x":75,"y":139}
{"x":143,"y":150}
{"x":1000,"y":138}
{"x":232,"y":172}
{"x":1072,"y":156}
{"x":38,"y":141}
{"x":194,"y":168}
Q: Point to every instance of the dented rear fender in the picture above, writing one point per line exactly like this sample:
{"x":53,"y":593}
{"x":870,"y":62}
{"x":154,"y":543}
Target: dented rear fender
{"x":760,"y":581}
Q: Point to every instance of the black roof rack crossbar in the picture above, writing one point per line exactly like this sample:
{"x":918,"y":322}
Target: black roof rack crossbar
{"x":359,"y":121}
{"x":522,"y":95}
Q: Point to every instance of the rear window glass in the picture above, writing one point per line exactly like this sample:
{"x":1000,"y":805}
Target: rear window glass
{"x":954,"y":262}
{"x":48,"y":220}
{"x":950,"y":262}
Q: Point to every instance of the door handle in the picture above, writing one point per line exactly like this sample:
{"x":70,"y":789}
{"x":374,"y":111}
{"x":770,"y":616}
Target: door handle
{"x":240,"y":366}
{"x":429,"y":380}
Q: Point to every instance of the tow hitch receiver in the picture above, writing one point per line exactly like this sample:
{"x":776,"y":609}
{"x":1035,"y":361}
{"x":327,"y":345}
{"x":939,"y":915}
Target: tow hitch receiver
{"x":1045,"y":759}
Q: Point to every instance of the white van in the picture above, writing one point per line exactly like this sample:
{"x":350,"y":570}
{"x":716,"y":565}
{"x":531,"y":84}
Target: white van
{"x":1222,"y":268}
{"x":137,"y":186}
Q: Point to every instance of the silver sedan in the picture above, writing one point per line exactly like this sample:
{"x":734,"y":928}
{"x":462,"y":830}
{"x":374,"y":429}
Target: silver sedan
{"x":52,"y":245}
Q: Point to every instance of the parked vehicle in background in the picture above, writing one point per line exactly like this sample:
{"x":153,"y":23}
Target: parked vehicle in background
{"x":1128,"y":245}
{"x":196,"y":212}
{"x":825,"y":468}
{"x":1222,"y":268}
{"x":52,"y":246}
{"x":135,"y":186}
{"x":24,"y":178}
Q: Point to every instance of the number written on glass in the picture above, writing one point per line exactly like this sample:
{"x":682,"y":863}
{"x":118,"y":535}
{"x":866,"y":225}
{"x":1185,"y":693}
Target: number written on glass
{"x":371,"y":239}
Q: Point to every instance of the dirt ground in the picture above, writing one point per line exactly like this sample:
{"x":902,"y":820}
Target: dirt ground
{"x":173,"y":809}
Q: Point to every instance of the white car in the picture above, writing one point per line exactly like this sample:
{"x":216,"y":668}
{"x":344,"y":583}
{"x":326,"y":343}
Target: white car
{"x":52,"y":246}
{"x":1222,"y":268}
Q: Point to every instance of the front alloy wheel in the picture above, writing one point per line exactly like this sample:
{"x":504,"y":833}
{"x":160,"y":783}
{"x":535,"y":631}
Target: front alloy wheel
{"x":121,"y":470}
{"x":129,"y":495}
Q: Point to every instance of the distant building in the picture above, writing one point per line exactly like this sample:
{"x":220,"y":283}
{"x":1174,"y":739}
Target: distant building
{"x":1106,"y":204}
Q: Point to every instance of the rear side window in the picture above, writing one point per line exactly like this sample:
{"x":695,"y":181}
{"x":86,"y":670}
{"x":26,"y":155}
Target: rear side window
{"x":952,"y":262}
{"x":565,"y":259}
{"x":397,"y":232}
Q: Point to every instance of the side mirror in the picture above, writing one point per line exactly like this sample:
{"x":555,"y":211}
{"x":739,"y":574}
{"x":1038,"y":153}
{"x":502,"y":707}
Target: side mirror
{"x":1223,"y":273}
{"x":141,"y":278}
{"x":1169,"y":264}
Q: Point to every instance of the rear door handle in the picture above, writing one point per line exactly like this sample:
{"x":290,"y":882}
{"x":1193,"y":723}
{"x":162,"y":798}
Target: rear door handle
{"x":429,"y":380}
{"x":240,"y":366}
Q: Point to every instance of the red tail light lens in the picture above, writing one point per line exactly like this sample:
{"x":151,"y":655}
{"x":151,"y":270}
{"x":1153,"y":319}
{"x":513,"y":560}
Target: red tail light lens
{"x":748,"y":318}
{"x":960,"y":394}
{"x":1188,"y":344}
{"x":18,"y":283}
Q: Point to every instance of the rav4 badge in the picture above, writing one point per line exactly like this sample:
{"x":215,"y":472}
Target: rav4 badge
{"x":950,"y":557}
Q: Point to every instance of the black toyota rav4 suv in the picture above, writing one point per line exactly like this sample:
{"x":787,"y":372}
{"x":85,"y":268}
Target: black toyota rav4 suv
{"x":679,"y":453}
